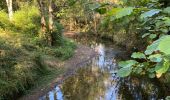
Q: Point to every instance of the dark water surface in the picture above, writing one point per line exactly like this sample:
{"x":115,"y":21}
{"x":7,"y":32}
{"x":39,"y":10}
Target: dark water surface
{"x":97,"y":80}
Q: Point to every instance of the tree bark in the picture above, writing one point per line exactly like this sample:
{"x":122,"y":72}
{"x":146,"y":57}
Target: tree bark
{"x":42,"y":12}
{"x":51,"y":22}
{"x":46,"y":9}
{"x":10,"y":10}
{"x":50,"y":11}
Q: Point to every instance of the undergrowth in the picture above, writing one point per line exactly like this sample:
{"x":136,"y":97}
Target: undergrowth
{"x":21,"y":52}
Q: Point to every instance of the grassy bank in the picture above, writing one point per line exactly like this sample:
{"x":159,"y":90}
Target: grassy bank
{"x":23,"y":54}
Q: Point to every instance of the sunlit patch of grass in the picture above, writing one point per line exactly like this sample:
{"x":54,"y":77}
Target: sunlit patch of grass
{"x":21,"y":64}
{"x":21,"y":49}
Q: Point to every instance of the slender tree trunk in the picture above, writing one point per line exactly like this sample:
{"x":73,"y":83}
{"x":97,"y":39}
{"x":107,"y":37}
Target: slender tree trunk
{"x":51,"y":22}
{"x":47,"y":25}
{"x":50,"y":11}
{"x":41,"y":4}
{"x":10,"y":10}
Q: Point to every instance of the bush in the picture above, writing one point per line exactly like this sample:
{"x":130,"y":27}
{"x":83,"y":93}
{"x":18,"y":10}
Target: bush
{"x":4,"y":21}
{"x":18,"y":70}
{"x":27,"y":19}
{"x":57,"y":34}
{"x":21,"y":55}
{"x":62,"y":52}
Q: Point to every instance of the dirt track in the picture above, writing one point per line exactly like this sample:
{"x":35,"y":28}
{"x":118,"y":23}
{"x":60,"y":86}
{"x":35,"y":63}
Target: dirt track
{"x":81,"y":56}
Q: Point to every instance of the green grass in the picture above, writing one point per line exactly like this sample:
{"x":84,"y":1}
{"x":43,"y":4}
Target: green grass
{"x":22,"y":53}
{"x":21,"y":64}
{"x":44,"y":81}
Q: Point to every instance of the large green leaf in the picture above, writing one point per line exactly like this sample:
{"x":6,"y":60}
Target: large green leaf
{"x":167,"y":10}
{"x":113,"y":11}
{"x":166,"y":21}
{"x":120,"y":12}
{"x":149,"y":13}
{"x":152,"y":36}
{"x":162,"y":67}
{"x":164,"y":45}
{"x":123,"y":72}
{"x":146,"y":34}
{"x":155,"y":58}
{"x":127,"y":63}
{"x":154,"y":46}
{"x":167,"y":98}
{"x":124,"y":12}
{"x":138,"y":55}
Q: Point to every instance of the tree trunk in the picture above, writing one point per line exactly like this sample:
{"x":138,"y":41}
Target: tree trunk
{"x":45,"y":8}
{"x":10,"y":10}
{"x":42,"y":9}
{"x":51,"y":22}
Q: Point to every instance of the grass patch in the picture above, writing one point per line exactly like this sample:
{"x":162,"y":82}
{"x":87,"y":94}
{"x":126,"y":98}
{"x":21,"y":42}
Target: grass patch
{"x":23,"y":52}
{"x":22,"y":67}
{"x":44,"y":80}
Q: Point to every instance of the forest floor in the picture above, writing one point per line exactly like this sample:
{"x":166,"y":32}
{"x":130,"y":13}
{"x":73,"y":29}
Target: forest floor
{"x":81,"y":56}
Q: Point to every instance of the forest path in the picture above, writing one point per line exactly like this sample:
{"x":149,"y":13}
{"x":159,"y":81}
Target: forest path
{"x":81,"y":56}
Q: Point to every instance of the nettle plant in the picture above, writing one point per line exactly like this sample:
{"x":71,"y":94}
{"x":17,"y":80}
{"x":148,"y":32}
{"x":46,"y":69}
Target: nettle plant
{"x":154,"y":25}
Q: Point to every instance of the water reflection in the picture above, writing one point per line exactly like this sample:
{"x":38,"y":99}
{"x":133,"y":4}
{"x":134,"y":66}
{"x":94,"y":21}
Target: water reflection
{"x":55,"y":94}
{"x":97,"y":80}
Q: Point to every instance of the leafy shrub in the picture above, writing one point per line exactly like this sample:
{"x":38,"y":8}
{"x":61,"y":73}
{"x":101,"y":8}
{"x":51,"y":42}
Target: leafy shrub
{"x":152,"y":22}
{"x":154,"y":61}
{"x":4,"y":21}
{"x":21,"y":54}
{"x":62,"y":52}
{"x":57,"y":34}
{"x":27,"y":19}
{"x":19,"y":69}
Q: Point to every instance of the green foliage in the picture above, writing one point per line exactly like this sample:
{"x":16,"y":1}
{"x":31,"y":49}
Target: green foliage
{"x":27,"y":19}
{"x":150,"y":13}
{"x":123,"y":72}
{"x":144,"y":35}
{"x":167,"y":98}
{"x":22,"y":64}
{"x":22,"y":51}
{"x":117,"y":13}
{"x":164,"y":45}
{"x":15,"y":73}
{"x":2,"y":4}
{"x":57,"y":34}
{"x":160,"y":44}
{"x":160,"y":60}
{"x":94,"y":6}
{"x":4,"y":22}
{"x":128,"y":63}
{"x":154,"y":23}
{"x":126,"y":67}
{"x":162,"y":67}
{"x":167,"y":10}
{"x":138,"y":55}
{"x":155,"y":58}
{"x":65,"y":51}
